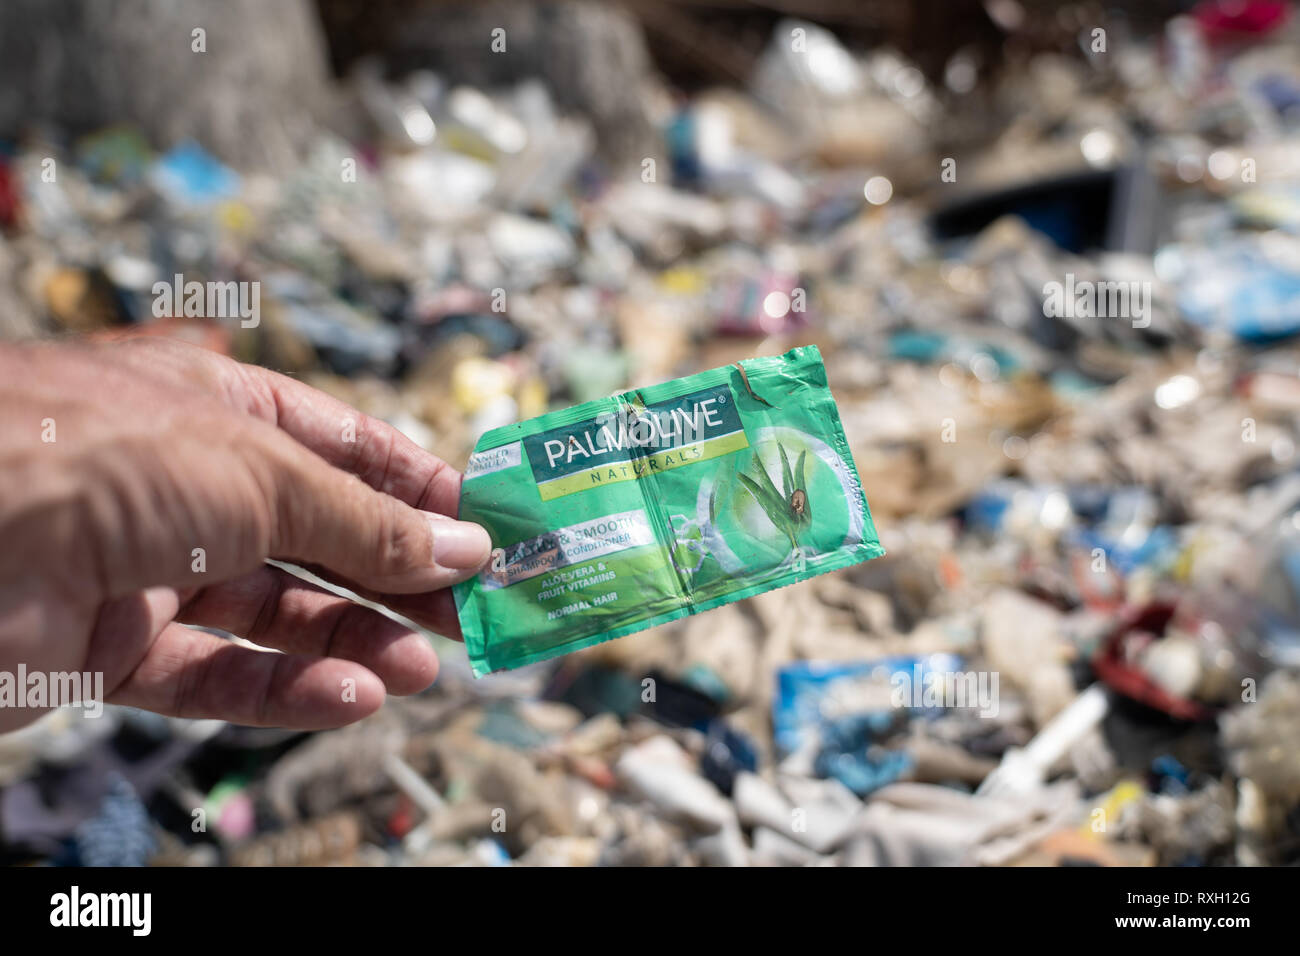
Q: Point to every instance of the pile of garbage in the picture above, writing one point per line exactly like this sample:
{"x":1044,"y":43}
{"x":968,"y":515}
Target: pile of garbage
{"x":1063,"y":347}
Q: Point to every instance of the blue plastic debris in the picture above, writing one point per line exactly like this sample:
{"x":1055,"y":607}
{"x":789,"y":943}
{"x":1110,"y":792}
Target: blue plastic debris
{"x":120,"y":834}
{"x":812,"y":695}
{"x":1239,"y":287}
{"x":852,"y":751}
{"x":190,"y":176}
{"x":726,"y":753}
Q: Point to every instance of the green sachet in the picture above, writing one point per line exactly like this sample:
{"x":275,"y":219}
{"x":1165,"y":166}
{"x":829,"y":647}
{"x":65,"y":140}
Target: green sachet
{"x":630,"y":511}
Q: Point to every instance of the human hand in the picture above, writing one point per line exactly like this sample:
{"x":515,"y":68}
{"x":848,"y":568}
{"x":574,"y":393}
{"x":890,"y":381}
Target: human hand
{"x":142,"y":487}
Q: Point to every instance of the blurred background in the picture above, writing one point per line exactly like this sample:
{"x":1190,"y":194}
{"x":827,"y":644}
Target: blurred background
{"x":464,"y":214}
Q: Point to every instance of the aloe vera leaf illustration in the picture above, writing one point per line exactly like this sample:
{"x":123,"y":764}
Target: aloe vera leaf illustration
{"x":773,"y":505}
{"x":803,"y":507}
{"x":762,"y":495}
{"x":787,"y":479}
{"x":776,"y":493}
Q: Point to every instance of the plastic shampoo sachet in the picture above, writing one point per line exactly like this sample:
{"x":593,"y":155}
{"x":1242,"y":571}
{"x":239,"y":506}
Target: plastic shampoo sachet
{"x":626,"y":512}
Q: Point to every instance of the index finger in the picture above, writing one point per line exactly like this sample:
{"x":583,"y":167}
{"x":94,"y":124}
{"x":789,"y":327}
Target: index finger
{"x":369,"y":448}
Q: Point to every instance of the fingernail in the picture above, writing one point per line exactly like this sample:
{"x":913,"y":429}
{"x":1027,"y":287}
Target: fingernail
{"x":462,"y":545}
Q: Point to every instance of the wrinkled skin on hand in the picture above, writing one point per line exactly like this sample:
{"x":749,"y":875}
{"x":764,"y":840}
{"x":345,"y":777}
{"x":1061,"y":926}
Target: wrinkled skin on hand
{"x":160,"y":449}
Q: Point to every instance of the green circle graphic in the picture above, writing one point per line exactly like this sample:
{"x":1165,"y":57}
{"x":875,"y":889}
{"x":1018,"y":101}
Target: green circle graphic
{"x":738,"y":529}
